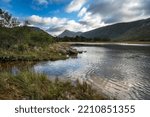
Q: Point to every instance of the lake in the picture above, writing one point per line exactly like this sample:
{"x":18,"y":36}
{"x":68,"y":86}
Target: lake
{"x":121,"y":71}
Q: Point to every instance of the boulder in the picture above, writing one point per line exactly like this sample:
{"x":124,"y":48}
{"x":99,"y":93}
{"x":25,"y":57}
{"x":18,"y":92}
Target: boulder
{"x":72,"y":51}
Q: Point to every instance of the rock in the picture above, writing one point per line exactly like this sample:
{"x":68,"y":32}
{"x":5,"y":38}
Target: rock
{"x":63,"y":51}
{"x":80,"y":52}
{"x":68,"y":50}
{"x":72,"y":51}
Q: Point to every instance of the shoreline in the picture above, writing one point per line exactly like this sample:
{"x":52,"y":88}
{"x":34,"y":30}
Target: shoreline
{"x":56,"y":51}
{"x":108,"y":43}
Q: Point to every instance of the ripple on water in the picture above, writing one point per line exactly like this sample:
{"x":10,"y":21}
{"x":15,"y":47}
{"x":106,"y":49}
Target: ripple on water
{"x":122,"y":72}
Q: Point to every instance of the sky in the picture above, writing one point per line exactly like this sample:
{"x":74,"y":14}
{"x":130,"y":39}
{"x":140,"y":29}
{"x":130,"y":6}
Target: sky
{"x":76,"y":15}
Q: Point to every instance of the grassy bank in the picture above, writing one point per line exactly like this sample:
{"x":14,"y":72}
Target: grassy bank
{"x":27,"y":85}
{"x":53,"y":51}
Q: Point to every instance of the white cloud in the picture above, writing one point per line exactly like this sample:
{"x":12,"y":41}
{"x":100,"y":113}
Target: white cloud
{"x":75,"y":5}
{"x":73,"y":26}
{"x":42,"y":2}
{"x":82,"y":12}
{"x":47,"y":20}
{"x":46,"y":2}
{"x":91,"y":21}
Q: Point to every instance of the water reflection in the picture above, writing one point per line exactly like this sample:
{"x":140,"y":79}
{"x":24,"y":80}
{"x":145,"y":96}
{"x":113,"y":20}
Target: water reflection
{"x":15,"y":67}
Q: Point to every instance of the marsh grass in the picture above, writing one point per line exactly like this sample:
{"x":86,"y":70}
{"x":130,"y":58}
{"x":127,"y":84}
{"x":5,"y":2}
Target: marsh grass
{"x":32,"y":86}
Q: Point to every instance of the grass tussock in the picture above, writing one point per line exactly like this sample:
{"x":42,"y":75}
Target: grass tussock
{"x":33,"y":86}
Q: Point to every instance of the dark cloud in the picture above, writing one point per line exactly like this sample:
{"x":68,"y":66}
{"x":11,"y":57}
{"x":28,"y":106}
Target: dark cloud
{"x":109,"y":10}
{"x":84,"y":22}
{"x":146,"y":6}
{"x":103,"y":7}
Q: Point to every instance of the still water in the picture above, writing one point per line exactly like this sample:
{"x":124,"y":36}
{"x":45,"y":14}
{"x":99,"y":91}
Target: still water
{"x":117,"y":70}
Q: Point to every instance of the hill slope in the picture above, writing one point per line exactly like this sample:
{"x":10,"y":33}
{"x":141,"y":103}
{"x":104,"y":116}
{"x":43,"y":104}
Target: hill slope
{"x":23,"y":35}
{"x":137,"y":30}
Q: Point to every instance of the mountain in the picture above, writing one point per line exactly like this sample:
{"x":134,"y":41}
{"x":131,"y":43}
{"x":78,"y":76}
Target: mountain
{"x":68,"y":33}
{"x":136,"y":30}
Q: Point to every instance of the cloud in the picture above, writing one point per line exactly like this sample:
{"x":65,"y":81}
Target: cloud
{"x":82,"y":12}
{"x":145,"y":6}
{"x":42,"y":2}
{"x":39,"y":4}
{"x":91,"y":21}
{"x":57,"y":24}
{"x":75,"y":5}
{"x":75,"y":26}
{"x":37,"y":20}
{"x":70,"y":25}
{"x":120,"y":10}
{"x":46,"y":2}
{"x":56,"y":1}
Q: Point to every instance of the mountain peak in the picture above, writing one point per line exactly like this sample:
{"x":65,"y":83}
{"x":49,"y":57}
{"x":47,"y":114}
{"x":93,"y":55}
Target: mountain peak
{"x":68,"y":33}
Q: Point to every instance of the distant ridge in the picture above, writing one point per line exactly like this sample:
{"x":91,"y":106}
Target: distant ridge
{"x":68,"y":33}
{"x":136,"y":30}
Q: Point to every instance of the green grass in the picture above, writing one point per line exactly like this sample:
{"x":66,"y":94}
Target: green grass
{"x":33,"y":86}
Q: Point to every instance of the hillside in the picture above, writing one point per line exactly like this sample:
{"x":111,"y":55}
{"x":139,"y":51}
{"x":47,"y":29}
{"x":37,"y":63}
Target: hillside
{"x":30,"y":44}
{"x":29,"y":36}
{"x":68,"y":33}
{"x":137,"y":30}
